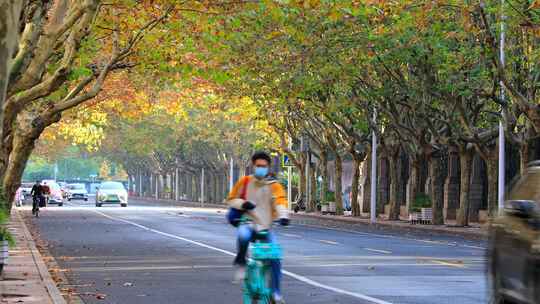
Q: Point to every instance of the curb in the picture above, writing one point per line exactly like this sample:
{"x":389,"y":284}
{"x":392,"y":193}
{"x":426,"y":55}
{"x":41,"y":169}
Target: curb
{"x":475,"y":234}
{"x":50,"y":285}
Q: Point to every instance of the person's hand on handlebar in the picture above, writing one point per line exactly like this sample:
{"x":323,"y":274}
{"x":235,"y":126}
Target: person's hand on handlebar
{"x":247,"y":205}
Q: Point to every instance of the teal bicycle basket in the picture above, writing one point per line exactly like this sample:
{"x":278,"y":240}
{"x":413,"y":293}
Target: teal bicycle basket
{"x":266,"y":251}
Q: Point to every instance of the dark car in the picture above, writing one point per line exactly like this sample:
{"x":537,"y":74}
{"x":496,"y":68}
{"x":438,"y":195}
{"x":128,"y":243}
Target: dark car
{"x":514,"y":255}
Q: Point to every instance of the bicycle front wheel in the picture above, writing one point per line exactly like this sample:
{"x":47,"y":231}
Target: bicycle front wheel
{"x":248,"y":299}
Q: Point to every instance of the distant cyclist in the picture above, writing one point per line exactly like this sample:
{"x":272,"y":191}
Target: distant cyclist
{"x":261,"y":197}
{"x":37,"y":196}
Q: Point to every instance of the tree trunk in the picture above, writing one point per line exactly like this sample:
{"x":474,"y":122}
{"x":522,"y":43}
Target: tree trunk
{"x":302,"y":182}
{"x":324,"y":174}
{"x":196,"y":187}
{"x":356,"y":210}
{"x":524,"y":156}
{"x":492,"y":166}
{"x":338,"y":173}
{"x":313,"y":190}
{"x":189,"y":186}
{"x":436,"y":191}
{"x":10,"y":172}
{"x":414,"y":181}
{"x":216,"y":188}
{"x":394,"y":183}
{"x":465,"y":161}
{"x":10,"y":12}
{"x":11,"y":179}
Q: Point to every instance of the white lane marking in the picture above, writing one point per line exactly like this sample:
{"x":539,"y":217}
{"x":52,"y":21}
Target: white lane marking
{"x":474,"y":247}
{"x":329,"y":242}
{"x":388,"y":236}
{"x":336,"y":290}
{"x":288,"y":273}
{"x":457,"y":265}
{"x":378,"y":250}
{"x":291,"y":235}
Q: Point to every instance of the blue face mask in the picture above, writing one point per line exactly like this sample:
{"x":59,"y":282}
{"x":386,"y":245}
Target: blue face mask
{"x":261,"y":172}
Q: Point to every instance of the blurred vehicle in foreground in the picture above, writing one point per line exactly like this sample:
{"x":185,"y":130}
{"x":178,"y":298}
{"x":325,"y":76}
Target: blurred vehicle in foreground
{"x":111,"y":193}
{"x":514,"y":243}
{"x":77,"y":192}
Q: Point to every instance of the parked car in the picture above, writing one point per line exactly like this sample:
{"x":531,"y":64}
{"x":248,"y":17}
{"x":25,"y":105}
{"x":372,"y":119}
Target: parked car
{"x":514,"y":243}
{"x":26,"y":189}
{"x":77,"y":192}
{"x":55,"y":195}
{"x":111,"y":193}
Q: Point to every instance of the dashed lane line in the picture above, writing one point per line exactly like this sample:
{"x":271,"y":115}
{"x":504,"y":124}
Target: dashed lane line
{"x":378,"y":250}
{"x":451,"y":264}
{"x":329,"y":242}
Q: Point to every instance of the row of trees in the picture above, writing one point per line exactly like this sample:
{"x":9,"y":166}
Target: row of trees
{"x":235,"y":76}
{"x":429,"y":72}
{"x":426,"y":77}
{"x":55,"y":57}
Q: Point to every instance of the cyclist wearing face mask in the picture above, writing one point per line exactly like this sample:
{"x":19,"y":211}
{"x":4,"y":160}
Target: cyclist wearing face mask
{"x":263,"y":199}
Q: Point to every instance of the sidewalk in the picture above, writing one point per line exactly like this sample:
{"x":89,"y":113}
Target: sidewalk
{"x":475,"y":231}
{"x":26,"y":278}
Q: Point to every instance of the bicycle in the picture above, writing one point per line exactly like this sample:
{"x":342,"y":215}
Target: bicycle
{"x":256,"y":287}
{"x":35,"y":206}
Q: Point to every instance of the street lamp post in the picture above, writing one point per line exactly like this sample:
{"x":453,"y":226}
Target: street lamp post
{"x":373,"y":202}
{"x":202,"y":186}
{"x":502,"y":155}
{"x":231,"y":174}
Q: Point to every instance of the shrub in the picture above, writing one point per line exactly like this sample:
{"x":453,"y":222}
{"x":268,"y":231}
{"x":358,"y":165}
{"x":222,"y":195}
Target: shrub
{"x":421,"y":200}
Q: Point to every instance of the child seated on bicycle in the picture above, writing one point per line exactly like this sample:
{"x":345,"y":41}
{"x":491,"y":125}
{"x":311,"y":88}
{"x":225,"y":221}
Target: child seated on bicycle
{"x":261,"y":198}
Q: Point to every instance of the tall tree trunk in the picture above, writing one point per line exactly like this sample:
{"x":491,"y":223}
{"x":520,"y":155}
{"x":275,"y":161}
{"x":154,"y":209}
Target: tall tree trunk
{"x":302,"y":184}
{"x":356,"y":210}
{"x":324,"y":175}
{"x":10,"y":173}
{"x":313,"y":190}
{"x":216,"y":188}
{"x":337,"y":176}
{"x":465,"y":161}
{"x":492,"y":166}
{"x":524,"y":156}
{"x":189,"y":186}
{"x":22,"y":148}
{"x":197,"y":187}
{"x":394,"y":184}
{"x":436,"y":191}
{"x":10,"y":12}
{"x":414,"y":181}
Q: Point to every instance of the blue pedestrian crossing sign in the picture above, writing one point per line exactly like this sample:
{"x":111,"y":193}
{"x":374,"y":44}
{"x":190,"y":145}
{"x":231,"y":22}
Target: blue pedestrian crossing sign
{"x":286,"y":161}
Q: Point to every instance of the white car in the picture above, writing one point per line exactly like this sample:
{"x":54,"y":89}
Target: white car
{"x":77,"y":191}
{"x":111,"y":193}
{"x":26,"y":189}
{"x":55,"y":196}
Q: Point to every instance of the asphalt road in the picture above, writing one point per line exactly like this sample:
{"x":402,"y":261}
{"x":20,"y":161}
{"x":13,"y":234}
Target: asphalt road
{"x":158,"y":254}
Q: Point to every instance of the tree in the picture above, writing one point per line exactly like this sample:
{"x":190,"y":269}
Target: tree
{"x":58,"y":66}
